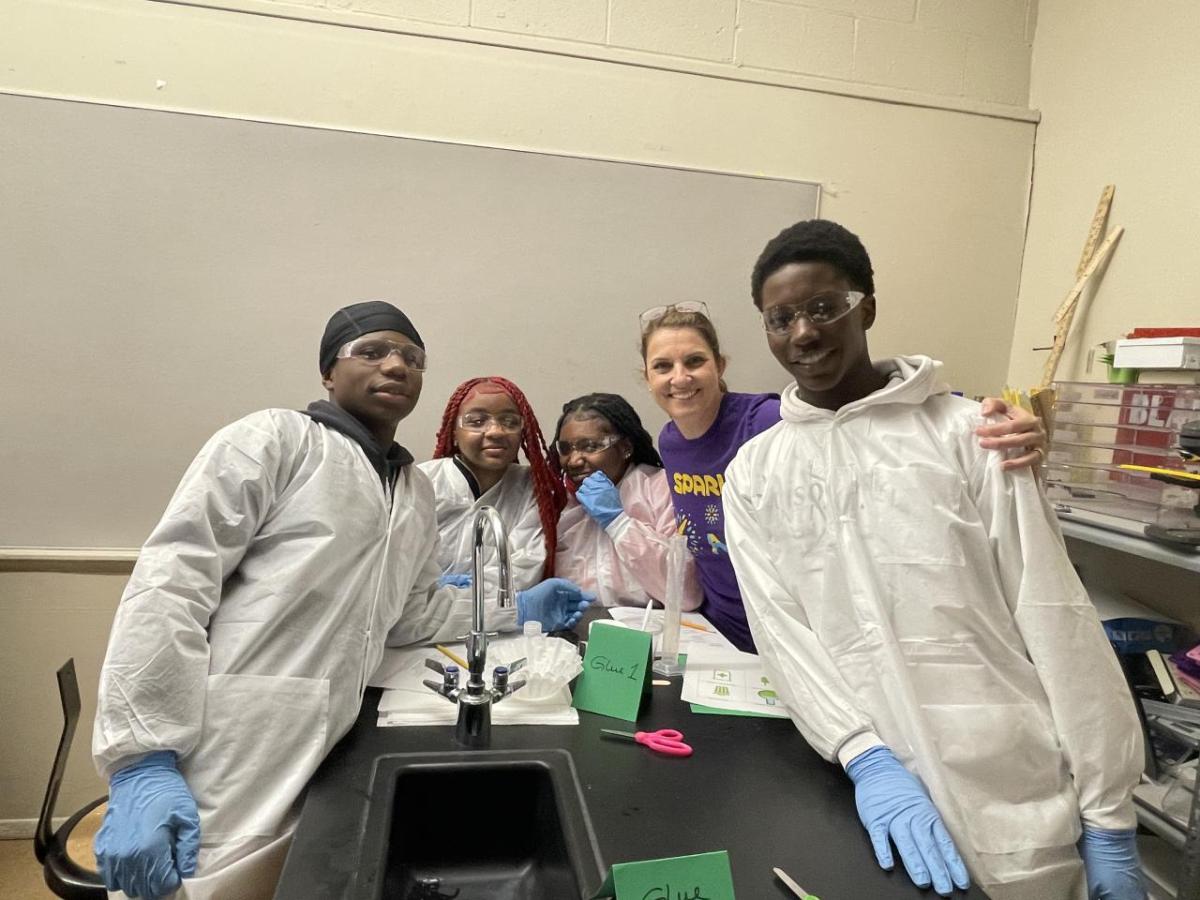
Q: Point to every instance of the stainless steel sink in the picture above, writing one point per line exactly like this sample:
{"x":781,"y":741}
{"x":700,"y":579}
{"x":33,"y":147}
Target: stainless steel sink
{"x":489,"y":824}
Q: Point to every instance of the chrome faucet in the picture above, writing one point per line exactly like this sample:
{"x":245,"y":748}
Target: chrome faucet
{"x":476,"y":698}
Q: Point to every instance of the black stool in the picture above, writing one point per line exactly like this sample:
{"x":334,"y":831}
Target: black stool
{"x":65,"y":877}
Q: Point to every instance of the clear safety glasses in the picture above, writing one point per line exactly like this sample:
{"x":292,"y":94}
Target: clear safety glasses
{"x":653,"y":314}
{"x":586,"y":446}
{"x":819,"y":309}
{"x":481,"y":421}
{"x":373,"y":351}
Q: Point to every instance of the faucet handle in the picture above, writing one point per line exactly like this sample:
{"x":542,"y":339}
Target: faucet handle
{"x":500,"y":680}
{"x":449,"y":686}
{"x":511,"y":688}
{"x":501,"y":686}
{"x":436,"y":666}
{"x":517,"y":665}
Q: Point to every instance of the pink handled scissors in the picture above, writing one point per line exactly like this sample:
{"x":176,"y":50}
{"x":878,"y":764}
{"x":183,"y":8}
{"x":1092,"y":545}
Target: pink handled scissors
{"x":667,"y":741}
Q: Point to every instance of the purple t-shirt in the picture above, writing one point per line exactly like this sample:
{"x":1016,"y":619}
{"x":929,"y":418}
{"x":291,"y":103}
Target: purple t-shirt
{"x":696,"y":474}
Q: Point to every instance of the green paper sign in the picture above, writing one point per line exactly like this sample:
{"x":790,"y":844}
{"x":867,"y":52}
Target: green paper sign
{"x":614,"y":681}
{"x":704,"y":876}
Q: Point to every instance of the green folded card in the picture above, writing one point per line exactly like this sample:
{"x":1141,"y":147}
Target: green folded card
{"x":703,"y":876}
{"x":614,"y":682}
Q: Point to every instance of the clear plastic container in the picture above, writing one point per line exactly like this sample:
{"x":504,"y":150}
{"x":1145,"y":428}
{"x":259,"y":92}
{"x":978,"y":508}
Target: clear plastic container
{"x":1163,"y":407}
{"x":1097,"y":428}
{"x":533,"y":643}
{"x":668,"y":662}
{"x":1178,"y":800}
{"x":1077,"y":441}
{"x":1104,"y":489}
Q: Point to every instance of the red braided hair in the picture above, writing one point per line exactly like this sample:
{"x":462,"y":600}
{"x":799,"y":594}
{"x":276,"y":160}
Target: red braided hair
{"x":544,"y":470}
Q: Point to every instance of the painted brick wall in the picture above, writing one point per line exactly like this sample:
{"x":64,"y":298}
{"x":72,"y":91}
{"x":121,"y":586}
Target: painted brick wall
{"x":974,"y":50}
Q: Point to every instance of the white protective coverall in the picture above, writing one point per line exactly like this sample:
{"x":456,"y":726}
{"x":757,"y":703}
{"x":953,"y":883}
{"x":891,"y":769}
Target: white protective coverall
{"x":257,"y":610}
{"x":903,"y":590}
{"x":512,"y":497}
{"x":625,"y":564}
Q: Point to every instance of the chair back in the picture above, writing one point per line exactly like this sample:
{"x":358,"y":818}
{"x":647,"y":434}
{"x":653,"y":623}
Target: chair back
{"x":64,"y":876}
{"x":68,"y":692}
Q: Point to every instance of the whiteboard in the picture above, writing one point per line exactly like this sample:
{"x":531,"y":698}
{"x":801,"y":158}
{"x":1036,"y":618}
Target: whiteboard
{"x":163,"y":274}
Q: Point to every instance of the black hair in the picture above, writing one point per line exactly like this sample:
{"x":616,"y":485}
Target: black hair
{"x":814,"y":240}
{"x":623,"y":418}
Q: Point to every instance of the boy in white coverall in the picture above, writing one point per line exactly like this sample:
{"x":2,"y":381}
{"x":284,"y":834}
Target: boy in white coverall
{"x":917,"y":608}
{"x":296,"y":544}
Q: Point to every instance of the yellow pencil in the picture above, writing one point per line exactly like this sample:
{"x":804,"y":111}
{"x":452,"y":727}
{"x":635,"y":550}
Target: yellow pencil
{"x":454,"y":656}
{"x":697,"y":627}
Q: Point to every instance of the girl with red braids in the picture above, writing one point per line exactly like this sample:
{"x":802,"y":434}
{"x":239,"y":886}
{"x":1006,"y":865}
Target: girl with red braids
{"x":486,"y":422}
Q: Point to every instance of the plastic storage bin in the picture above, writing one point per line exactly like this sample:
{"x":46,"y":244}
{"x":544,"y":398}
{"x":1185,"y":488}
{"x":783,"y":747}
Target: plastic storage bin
{"x":1099,"y":427}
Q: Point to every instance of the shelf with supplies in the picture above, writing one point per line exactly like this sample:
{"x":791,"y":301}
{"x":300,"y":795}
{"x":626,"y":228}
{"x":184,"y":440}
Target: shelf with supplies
{"x":1169,"y":851}
{"x":1148,"y":801}
{"x":1079,"y":530}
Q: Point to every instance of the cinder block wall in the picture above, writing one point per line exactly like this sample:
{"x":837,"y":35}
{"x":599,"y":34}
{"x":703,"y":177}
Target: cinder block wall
{"x":976,"y":50}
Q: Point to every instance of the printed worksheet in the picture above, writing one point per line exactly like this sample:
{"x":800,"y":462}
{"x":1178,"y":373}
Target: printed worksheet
{"x":728,"y":679}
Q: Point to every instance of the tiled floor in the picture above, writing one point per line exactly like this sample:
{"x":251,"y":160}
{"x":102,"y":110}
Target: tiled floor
{"x":20,"y":872}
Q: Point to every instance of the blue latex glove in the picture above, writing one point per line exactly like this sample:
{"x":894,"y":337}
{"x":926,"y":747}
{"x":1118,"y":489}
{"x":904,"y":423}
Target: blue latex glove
{"x":892,"y":802}
{"x":600,"y":498}
{"x":454,"y":579}
{"x":1110,"y":859}
{"x":557,"y":603}
{"x":151,"y":832}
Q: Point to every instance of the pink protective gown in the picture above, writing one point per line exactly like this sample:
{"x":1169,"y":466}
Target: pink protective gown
{"x":625,"y":564}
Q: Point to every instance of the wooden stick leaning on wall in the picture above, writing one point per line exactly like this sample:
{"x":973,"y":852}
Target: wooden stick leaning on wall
{"x":1096,"y":231}
{"x":1042,"y":397}
{"x":1066,"y":314}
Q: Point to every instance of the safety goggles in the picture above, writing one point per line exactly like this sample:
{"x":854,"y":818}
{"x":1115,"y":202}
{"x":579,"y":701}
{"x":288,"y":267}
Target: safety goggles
{"x":653,"y":314}
{"x":820,"y":309}
{"x":481,"y":421}
{"x":373,"y":351}
{"x":585,"y":446}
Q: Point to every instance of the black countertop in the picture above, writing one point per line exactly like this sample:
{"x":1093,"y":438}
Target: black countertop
{"x":753,"y":787}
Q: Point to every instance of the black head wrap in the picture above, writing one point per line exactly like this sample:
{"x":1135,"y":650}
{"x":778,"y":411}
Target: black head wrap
{"x":358,"y":319}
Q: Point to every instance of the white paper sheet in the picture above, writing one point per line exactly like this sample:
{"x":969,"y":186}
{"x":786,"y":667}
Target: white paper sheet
{"x":689,"y":638}
{"x":406,"y":701}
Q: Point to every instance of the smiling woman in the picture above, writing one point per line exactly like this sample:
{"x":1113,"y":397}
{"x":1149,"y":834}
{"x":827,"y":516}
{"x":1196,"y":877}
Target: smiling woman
{"x":683,"y":369}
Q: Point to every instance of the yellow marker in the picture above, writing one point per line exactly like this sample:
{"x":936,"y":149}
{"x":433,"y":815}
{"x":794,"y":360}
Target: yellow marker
{"x":1174,"y":473}
{"x":454,"y":656}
